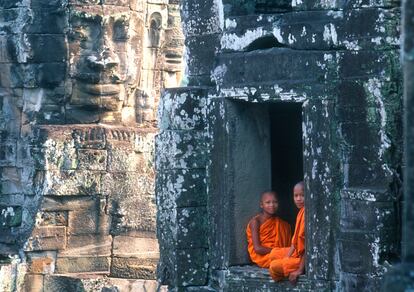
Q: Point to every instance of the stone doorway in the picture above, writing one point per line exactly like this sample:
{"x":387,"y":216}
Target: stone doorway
{"x":268,"y":138}
{"x":287,"y":154}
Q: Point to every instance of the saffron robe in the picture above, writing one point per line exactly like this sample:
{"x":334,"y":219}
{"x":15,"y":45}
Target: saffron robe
{"x":280,"y":266}
{"x":274,"y":232}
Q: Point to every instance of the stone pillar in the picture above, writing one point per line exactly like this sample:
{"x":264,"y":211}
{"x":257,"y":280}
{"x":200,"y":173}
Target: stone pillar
{"x":181,"y":190}
{"x":401,"y":277}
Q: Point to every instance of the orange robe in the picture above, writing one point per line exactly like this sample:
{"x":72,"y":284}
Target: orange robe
{"x":274,"y":232}
{"x":281,"y":267}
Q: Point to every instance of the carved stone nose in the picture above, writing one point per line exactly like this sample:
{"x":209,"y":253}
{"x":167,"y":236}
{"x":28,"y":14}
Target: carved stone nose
{"x":104,"y":60}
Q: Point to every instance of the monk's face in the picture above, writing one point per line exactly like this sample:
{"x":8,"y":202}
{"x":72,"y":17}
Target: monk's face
{"x":299,"y":196}
{"x":269,"y":203}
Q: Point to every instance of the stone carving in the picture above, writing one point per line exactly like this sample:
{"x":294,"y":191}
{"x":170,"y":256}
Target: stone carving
{"x":79,"y":88}
{"x":105,"y":53}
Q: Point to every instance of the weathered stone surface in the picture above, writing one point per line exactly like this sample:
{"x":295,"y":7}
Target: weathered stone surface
{"x":71,"y":182}
{"x":53,"y":218}
{"x":183,"y":109}
{"x":47,"y":238}
{"x":89,"y":221}
{"x":185,"y":150}
{"x":192,"y":266}
{"x":92,"y":159}
{"x":33,"y":283}
{"x":82,"y":264}
{"x":203,"y":49}
{"x":87,"y":245}
{"x":68,"y":203}
{"x":128,"y":193}
{"x":192,"y":226}
{"x":367,"y":216}
{"x":135,"y":247}
{"x":321,"y":30}
{"x":41,"y":263}
{"x":133,"y":268}
{"x":10,"y":216}
{"x":352,"y":282}
{"x":181,"y":188}
{"x":61,"y":283}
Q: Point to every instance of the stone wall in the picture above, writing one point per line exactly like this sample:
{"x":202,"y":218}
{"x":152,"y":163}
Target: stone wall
{"x":340,"y":61}
{"x":79,"y":85}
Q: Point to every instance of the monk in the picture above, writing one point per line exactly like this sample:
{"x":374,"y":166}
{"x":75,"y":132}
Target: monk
{"x":266,"y":231}
{"x":290,"y":262}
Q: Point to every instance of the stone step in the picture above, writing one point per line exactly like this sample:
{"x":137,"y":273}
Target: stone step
{"x":87,"y":282}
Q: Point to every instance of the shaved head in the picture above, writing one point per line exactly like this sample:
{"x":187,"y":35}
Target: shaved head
{"x":268,"y":193}
{"x":300,"y":185}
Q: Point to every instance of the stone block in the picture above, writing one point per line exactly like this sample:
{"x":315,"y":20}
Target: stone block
{"x":47,"y":238}
{"x":181,"y":188}
{"x":181,"y":150}
{"x":92,"y":159}
{"x":6,"y":4}
{"x":202,"y":49}
{"x":167,"y":231}
{"x":183,"y":109}
{"x":51,"y":75}
{"x":52,"y":283}
{"x":353,"y":282}
{"x":10,"y":216}
{"x":89,"y":221}
{"x":192,"y":267}
{"x":8,"y":153}
{"x":121,"y":159}
{"x":68,"y":203}
{"x":82,"y":264}
{"x":41,"y":263}
{"x":46,"y":3}
{"x":377,"y":195}
{"x":89,"y":137}
{"x":71,"y":182}
{"x":137,"y":247}
{"x":200,"y":17}
{"x":53,"y":44}
{"x":368,"y":64}
{"x":133,"y":268}
{"x":313,"y":30}
{"x":368,"y":175}
{"x":55,"y":218}
{"x":359,"y":257}
{"x":131,"y":201}
{"x":48,"y":21}
{"x":399,"y":278}
{"x":367,"y":216}
{"x":33,"y":283}
{"x":192,"y":227}
{"x":87,"y":245}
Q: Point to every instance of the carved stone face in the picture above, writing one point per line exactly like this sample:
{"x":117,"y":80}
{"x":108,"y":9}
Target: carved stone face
{"x":105,"y":56}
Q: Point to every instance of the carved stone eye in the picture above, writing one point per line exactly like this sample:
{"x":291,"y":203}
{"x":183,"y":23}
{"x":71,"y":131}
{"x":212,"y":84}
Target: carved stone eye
{"x":120,"y":31}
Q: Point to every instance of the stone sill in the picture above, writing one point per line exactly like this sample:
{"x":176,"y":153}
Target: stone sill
{"x":253,"y":278}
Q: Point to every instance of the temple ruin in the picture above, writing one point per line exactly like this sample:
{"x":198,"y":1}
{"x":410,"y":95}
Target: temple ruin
{"x":80,"y":82}
{"x":117,"y":175}
{"x":280,"y":91}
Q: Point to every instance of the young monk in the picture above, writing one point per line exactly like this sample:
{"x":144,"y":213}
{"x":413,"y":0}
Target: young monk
{"x":266,"y":231}
{"x":290,"y":262}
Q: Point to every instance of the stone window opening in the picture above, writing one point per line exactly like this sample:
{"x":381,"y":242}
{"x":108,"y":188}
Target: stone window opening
{"x":265,"y":42}
{"x":273,"y":160}
{"x":155,"y":30}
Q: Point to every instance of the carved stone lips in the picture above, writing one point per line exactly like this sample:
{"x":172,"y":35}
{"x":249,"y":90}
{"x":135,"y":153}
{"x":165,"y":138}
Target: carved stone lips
{"x":100,"y":89}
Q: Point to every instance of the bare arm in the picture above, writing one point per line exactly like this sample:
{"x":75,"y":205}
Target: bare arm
{"x":255,"y":228}
{"x":290,"y":252}
{"x":293,"y":277}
